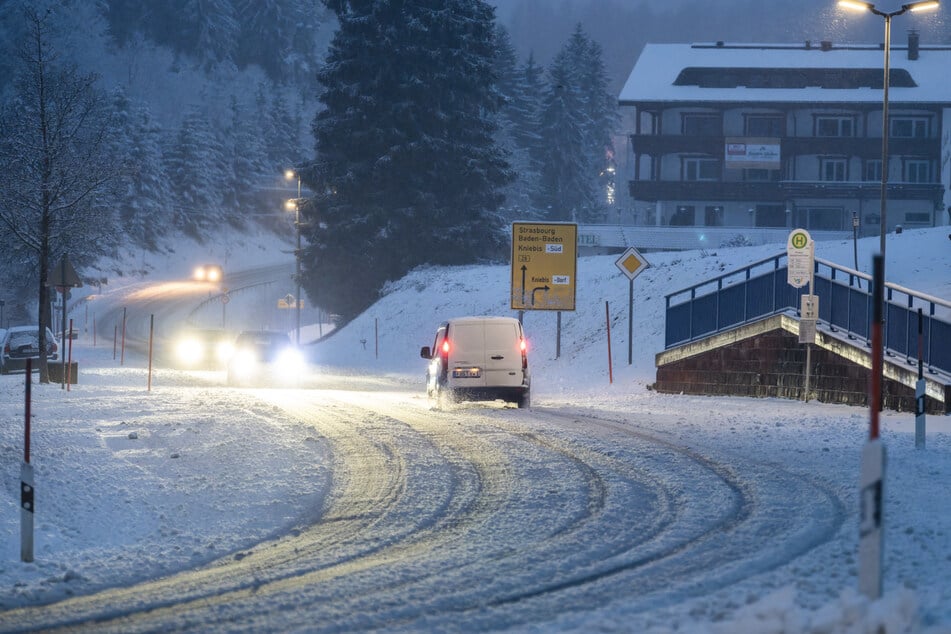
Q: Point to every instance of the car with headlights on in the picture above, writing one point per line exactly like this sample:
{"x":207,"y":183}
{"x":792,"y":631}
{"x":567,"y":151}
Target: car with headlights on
{"x":202,"y":349}
{"x":20,"y":343}
{"x":208,"y":273}
{"x":265,"y":357}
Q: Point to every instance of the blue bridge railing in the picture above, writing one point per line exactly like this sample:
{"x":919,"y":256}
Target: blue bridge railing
{"x":845,"y":305}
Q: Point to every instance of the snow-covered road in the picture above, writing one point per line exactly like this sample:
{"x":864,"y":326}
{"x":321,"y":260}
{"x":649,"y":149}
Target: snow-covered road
{"x":483,"y":517}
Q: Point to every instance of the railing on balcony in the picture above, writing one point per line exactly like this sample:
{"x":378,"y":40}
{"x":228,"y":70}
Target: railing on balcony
{"x":845,"y":306}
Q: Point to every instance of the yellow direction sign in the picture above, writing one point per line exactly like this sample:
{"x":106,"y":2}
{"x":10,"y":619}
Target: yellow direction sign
{"x":544,"y":265}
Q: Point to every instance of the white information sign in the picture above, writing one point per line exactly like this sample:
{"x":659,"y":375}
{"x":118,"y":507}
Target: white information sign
{"x":800,"y":258}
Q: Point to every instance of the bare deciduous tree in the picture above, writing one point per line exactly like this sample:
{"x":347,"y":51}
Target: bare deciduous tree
{"x":54,"y":171}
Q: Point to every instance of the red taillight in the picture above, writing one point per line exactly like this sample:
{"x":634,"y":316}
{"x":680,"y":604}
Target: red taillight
{"x":445,"y":348}
{"x":523,"y":346}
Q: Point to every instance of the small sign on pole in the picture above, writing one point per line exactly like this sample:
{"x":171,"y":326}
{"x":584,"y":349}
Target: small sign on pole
{"x":631,"y":263}
{"x":800,"y":258}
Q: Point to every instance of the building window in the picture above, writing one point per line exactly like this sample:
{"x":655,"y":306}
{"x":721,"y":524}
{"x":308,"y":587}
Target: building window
{"x":873,"y":170}
{"x":683,"y":217}
{"x":832,"y":169}
{"x":825,"y":218}
{"x":770,"y":216}
{"x":917,"y":172}
{"x":713,"y":216}
{"x":835,"y":126}
{"x":702,"y":124}
{"x":909,"y":127}
{"x":701,"y":169}
{"x":918,"y":217}
{"x":765,"y":125}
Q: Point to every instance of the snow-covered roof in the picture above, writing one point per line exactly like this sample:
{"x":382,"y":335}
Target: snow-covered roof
{"x":659,"y":65}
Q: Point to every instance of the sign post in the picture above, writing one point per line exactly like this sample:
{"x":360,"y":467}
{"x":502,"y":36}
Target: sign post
{"x":800,"y":270}
{"x":872,"y":471}
{"x":62,"y":278}
{"x":631,"y":263}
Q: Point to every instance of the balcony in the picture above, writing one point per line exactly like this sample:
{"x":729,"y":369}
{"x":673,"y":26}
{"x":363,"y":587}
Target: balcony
{"x":706,"y":190}
{"x":863,"y":147}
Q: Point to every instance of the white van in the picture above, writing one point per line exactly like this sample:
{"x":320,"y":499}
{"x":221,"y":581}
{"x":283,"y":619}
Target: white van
{"x":478,"y":358}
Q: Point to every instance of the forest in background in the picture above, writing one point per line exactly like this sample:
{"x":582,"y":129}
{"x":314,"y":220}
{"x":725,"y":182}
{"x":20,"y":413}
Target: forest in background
{"x":209,"y":101}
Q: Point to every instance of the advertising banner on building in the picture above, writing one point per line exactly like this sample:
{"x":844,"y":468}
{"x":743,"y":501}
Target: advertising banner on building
{"x":752,"y":153}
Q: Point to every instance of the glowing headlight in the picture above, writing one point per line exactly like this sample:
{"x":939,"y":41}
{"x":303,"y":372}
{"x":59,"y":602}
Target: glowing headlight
{"x":189,"y":351}
{"x":289,"y":364}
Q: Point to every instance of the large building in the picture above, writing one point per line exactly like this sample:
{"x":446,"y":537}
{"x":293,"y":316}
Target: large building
{"x":783,"y":136}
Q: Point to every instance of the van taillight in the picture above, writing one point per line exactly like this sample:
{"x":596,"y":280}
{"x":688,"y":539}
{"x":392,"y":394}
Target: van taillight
{"x":445,"y":349}
{"x":523,"y":346}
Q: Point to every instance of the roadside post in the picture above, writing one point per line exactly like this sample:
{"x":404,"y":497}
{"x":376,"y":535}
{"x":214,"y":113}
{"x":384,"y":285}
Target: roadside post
{"x":544,"y":268}
{"x":872,"y":470}
{"x":151,"y":339}
{"x":800,"y":271}
{"x":122,"y":353}
{"x":607,"y":319}
{"x":631,"y":263}
{"x":69,"y":364}
{"x":26,"y":478}
{"x":920,"y":389}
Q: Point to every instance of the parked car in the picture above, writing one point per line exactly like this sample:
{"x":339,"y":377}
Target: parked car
{"x":20,"y":343}
{"x":202,"y":348}
{"x":264,"y":357}
{"x":478,"y":358}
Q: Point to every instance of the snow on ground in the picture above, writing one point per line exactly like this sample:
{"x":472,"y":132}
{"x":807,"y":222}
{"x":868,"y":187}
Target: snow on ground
{"x":134,"y":483}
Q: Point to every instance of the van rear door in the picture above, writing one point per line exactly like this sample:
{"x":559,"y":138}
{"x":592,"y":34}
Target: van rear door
{"x":467,"y":354}
{"x":503,"y":357}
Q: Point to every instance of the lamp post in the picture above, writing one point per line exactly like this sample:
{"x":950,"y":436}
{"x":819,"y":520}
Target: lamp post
{"x":858,"y":5}
{"x":295,"y":206}
{"x":855,"y":243}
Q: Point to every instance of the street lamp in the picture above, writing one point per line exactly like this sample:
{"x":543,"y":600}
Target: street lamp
{"x":294,"y":205}
{"x":858,"y":5}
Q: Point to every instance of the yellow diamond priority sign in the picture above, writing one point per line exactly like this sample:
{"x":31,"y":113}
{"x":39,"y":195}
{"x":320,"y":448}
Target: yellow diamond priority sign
{"x":631,"y":263}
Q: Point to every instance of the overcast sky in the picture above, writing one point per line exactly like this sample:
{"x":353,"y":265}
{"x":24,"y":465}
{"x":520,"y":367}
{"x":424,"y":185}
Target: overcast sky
{"x":622,"y":27}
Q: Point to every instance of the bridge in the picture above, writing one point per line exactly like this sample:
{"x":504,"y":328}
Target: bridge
{"x":754,"y":313}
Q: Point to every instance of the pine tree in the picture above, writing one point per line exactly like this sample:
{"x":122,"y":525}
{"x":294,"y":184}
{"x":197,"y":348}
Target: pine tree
{"x":511,"y":94}
{"x":578,"y":116}
{"x":195,"y":163}
{"x":143,"y":199}
{"x":600,"y":108}
{"x":147,"y":210}
{"x":249,"y":164}
{"x":408,"y":169}
{"x":566,"y":190}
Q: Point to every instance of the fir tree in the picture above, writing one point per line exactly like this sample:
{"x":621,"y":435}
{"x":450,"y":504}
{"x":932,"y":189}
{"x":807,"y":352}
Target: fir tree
{"x":408,"y":169}
{"x":196,"y":165}
{"x":566,"y":187}
{"x":578,"y":117}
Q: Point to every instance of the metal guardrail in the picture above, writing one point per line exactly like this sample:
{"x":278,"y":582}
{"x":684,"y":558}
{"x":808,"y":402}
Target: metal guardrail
{"x":760,"y":289}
